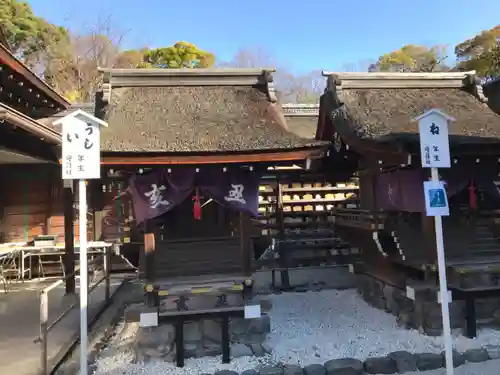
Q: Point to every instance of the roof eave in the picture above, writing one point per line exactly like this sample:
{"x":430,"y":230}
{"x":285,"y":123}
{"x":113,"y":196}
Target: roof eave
{"x":28,"y":124}
{"x":10,"y":60}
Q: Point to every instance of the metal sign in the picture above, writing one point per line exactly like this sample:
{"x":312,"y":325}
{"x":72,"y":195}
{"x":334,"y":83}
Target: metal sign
{"x":436,"y":201}
{"x":434,"y":143}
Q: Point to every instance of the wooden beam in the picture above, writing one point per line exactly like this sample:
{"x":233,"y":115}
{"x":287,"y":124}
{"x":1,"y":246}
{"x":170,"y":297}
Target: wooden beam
{"x":220,"y":158}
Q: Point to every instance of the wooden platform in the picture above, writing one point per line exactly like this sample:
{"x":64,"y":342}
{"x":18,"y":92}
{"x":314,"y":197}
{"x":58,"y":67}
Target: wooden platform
{"x":19,"y":323}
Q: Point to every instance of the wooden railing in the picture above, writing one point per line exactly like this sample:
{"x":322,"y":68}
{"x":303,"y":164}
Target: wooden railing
{"x":358,"y":218}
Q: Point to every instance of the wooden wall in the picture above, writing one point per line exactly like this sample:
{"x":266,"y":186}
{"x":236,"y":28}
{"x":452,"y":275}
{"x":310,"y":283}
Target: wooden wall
{"x":31,"y":203}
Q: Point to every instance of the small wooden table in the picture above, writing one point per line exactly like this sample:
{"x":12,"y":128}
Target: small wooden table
{"x":26,"y":251}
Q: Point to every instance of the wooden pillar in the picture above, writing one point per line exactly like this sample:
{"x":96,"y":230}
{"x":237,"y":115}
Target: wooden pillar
{"x":367,"y":190}
{"x":69,"y":235}
{"x":245,"y":244}
{"x":283,"y":253}
{"x":149,"y":261}
{"x":50,"y":203}
{"x":97,"y":205}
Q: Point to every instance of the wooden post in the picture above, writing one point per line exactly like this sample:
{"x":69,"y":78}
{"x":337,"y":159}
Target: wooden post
{"x":149,"y":264}
{"x":69,"y":234}
{"x":245,"y":244}
{"x":284,"y":254}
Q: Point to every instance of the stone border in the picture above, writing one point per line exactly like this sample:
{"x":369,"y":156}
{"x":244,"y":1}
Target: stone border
{"x":394,"y":363}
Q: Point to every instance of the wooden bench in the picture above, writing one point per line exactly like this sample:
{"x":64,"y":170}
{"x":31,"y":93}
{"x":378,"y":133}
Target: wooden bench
{"x":178,"y":318}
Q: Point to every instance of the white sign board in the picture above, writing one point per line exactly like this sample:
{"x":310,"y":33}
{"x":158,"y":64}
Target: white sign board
{"x":81,"y":154}
{"x":436,"y":201}
{"x":252,"y":312}
{"x":434,"y":143}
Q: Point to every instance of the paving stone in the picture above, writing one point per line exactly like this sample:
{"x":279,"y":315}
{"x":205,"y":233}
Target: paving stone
{"x":314,"y":370}
{"x":405,"y":361}
{"x":250,"y":372}
{"x":271,"y":370}
{"x":292,"y":370}
{"x":476,"y":355}
{"x":381,"y":365}
{"x":240,"y":350}
{"x":258,"y":350}
{"x":429,"y":361}
{"x":344,"y":366}
{"x":493,"y":351}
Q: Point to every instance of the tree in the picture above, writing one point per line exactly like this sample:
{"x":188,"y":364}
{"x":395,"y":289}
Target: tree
{"x":481,"y":53}
{"x":28,"y":36}
{"x":180,"y":55}
{"x":305,"y":88}
{"x":412,"y":58}
{"x":72,"y":68}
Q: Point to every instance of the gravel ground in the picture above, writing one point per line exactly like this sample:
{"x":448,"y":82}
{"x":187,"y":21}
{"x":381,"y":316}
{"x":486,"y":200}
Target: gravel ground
{"x":308,"y":328}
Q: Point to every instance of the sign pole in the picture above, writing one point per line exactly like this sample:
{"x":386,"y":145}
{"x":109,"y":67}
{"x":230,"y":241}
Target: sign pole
{"x":443,"y":286}
{"x":435,"y":153}
{"x":82,"y":194}
{"x":81,"y":160}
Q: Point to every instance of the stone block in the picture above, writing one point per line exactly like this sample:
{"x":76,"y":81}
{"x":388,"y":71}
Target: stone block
{"x":250,"y":372}
{"x":292,"y":370}
{"x":258,"y":350}
{"x":344,"y":366}
{"x":267,"y":347}
{"x":240,"y":350}
{"x":405,"y":361}
{"x":226,"y":372}
{"x":493,"y":351}
{"x":271,"y":370}
{"x":381,"y":365}
{"x":429,"y":361}
{"x":458,"y":359}
{"x":476,"y":355}
{"x":315,"y":369}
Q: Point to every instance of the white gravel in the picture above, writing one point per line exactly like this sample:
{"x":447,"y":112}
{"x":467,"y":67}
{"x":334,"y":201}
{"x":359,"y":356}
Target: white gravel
{"x":306,"y":328}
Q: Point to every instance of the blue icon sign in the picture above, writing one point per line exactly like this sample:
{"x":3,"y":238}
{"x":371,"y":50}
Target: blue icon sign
{"x":437,"y":198}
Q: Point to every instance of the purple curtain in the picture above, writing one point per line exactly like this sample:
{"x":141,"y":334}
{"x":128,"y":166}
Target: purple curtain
{"x":157,"y":192}
{"x":238,"y":190}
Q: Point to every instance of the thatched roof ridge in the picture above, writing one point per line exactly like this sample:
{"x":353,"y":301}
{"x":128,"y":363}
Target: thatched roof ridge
{"x":381,"y":106}
{"x":302,"y":119}
{"x":193,"y":110}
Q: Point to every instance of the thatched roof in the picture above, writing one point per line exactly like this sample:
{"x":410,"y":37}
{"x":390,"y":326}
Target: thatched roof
{"x":302,"y":119}
{"x":192,"y":110}
{"x":381,"y":106}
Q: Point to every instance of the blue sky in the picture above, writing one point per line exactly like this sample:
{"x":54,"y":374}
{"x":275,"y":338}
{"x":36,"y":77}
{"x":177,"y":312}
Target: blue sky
{"x":302,"y":35}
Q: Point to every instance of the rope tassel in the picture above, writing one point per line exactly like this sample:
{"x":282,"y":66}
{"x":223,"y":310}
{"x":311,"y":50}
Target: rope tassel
{"x":197,"y":205}
{"x":472,"y":196}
